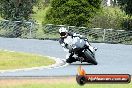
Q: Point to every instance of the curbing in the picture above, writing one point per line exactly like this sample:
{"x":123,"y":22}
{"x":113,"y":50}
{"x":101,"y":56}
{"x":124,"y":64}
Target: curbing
{"x":59,"y":63}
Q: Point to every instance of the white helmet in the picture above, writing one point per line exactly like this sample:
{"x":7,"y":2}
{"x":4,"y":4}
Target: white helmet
{"x":63,"y":32}
{"x":62,"y":29}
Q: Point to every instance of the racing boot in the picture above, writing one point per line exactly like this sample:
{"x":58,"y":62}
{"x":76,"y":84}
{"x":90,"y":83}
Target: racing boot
{"x":71,"y":60}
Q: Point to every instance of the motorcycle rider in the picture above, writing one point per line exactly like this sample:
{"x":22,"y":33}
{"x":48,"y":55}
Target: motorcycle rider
{"x":71,"y":41}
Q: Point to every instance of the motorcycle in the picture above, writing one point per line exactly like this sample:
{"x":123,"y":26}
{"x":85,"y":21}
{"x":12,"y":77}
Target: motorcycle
{"x":83,"y":55}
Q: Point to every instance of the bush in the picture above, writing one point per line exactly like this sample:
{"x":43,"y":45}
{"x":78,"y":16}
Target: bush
{"x":72,"y":12}
{"x":127,"y":24}
{"x":109,"y":17}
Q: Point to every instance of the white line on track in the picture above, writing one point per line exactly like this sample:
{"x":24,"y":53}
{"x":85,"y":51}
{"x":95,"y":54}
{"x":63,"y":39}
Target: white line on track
{"x":59,"y":63}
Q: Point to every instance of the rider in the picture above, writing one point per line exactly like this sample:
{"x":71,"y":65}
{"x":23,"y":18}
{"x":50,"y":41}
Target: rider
{"x":71,"y":41}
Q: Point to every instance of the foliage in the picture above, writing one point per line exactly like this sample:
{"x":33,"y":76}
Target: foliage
{"x":126,"y":5}
{"x":127,"y":24}
{"x":109,"y":17}
{"x":72,"y":12}
{"x":41,"y":4}
{"x":16,"y":9}
{"x":39,"y":14}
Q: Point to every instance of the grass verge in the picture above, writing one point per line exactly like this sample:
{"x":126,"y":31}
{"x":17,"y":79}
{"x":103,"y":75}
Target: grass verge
{"x":17,"y":60}
{"x":54,"y":83}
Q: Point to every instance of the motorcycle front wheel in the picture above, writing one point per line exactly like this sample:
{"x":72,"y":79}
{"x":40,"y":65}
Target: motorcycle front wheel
{"x":90,"y":58}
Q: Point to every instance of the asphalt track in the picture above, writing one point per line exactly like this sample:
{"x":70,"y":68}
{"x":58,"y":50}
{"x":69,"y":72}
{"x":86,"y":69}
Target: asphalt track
{"x":112,"y":58}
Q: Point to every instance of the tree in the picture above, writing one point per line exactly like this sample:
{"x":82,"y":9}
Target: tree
{"x":16,"y":9}
{"x":72,"y":12}
{"x":126,"y":5}
{"x":41,"y":4}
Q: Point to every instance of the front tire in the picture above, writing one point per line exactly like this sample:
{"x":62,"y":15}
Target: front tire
{"x":90,"y":58}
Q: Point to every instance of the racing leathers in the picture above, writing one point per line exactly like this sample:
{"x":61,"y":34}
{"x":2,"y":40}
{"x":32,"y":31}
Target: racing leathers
{"x":72,"y":42}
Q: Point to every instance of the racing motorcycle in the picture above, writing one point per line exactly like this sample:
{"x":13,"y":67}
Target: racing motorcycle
{"x":83,"y":55}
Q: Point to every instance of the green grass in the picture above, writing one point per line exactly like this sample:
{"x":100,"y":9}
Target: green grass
{"x":68,"y":85}
{"x":16,"y":60}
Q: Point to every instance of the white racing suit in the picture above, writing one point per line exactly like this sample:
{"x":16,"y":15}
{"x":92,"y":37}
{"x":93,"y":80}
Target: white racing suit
{"x":73,"y":41}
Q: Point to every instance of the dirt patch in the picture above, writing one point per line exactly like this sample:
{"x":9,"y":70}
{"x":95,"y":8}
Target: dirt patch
{"x":57,"y":80}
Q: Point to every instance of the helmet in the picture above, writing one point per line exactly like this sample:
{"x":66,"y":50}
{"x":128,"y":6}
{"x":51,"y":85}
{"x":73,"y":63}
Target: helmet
{"x":63,"y":32}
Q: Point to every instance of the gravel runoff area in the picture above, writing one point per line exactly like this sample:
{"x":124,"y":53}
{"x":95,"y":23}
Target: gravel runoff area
{"x":26,"y":80}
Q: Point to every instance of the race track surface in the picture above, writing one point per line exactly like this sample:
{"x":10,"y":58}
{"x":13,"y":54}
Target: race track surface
{"x":112,"y":58}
